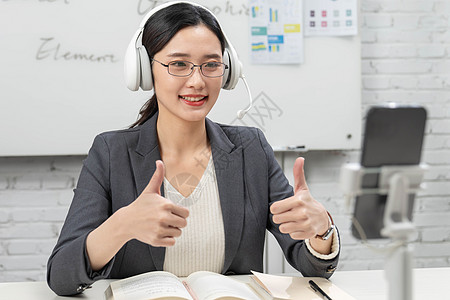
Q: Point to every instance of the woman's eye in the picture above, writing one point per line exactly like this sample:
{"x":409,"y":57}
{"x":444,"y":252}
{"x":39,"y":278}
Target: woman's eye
{"x":212,"y":65}
{"x":179,"y":64}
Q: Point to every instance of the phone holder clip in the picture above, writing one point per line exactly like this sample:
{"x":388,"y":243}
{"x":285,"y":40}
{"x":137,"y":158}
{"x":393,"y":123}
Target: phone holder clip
{"x":352,"y":174}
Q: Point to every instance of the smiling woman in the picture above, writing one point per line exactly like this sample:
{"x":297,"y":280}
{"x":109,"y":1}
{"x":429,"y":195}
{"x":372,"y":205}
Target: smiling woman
{"x":133,"y":211}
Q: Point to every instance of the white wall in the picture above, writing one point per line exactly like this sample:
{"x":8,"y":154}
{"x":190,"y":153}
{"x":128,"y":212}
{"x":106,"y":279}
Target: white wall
{"x":405,"y":58}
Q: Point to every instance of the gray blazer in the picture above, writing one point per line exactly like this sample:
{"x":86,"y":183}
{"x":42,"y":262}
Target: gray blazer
{"x":118,"y":168}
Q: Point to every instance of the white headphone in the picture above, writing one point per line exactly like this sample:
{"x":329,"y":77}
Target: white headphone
{"x":137,"y":62}
{"x":138,"y":71}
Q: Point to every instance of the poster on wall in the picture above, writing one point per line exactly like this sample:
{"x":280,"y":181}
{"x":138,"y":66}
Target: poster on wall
{"x":276,"y":35}
{"x":330,"y":17}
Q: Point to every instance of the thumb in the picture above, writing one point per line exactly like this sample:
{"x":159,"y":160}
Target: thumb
{"x":299,"y":175}
{"x":154,"y":186}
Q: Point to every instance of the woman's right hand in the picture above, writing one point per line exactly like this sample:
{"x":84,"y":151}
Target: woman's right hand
{"x":153,"y":219}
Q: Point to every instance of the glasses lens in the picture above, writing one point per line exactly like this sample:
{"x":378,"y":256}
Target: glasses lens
{"x":184,"y":68}
{"x":180,"y":68}
{"x":213,"y":69}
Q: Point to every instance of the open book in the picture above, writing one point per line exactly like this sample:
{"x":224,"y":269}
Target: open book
{"x":200,"y":285}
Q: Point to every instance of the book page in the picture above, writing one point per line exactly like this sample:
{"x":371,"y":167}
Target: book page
{"x":211,"y":286}
{"x":151,"y":285}
{"x":286,"y":287}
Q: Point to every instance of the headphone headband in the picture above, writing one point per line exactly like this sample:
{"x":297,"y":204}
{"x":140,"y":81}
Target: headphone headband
{"x":138,"y":66}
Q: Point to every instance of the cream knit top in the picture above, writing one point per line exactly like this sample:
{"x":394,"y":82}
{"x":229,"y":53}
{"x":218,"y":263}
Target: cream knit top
{"x":201,"y":246}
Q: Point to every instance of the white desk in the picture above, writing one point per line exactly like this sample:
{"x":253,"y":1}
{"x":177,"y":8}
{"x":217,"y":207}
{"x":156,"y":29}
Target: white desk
{"x":428,"y":284}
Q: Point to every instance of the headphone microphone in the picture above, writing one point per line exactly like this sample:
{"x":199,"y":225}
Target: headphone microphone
{"x":242,"y":112}
{"x":138,"y":72}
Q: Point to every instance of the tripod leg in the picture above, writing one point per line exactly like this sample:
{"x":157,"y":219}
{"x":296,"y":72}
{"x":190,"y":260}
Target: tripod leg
{"x":398,"y":271}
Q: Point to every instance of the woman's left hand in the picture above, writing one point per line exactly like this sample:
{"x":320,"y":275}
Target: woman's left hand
{"x":300,"y":216}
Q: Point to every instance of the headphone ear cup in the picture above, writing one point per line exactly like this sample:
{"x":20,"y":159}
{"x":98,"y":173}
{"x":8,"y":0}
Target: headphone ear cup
{"x":231,"y":76}
{"x":146,"y":81}
{"x":226,"y":74}
{"x":132,"y":66}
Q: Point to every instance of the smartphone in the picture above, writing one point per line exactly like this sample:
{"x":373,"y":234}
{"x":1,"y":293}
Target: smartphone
{"x":393,"y":135}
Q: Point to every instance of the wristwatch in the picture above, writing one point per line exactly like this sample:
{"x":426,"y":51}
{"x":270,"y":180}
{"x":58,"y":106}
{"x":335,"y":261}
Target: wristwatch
{"x":329,"y":231}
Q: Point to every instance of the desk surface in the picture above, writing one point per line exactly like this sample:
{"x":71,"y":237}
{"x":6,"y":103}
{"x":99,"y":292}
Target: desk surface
{"x":363,"y":285}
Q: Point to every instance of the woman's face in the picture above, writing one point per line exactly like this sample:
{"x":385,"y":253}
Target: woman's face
{"x":188,"y":98}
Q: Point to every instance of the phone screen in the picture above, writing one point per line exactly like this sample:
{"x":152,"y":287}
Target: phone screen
{"x":393,"y":136}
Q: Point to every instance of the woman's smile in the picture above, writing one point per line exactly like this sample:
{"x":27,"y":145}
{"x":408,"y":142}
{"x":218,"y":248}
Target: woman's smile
{"x":194,"y":100}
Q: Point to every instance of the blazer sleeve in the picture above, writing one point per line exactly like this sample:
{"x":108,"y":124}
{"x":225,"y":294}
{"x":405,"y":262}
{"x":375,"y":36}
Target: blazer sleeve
{"x":295,"y":251}
{"x":68,"y":269}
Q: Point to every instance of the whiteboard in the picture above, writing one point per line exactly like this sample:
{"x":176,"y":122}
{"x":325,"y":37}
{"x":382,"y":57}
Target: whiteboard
{"x":62,"y":79}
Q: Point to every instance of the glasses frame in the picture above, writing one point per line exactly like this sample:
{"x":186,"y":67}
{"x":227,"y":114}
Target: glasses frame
{"x":192,"y":68}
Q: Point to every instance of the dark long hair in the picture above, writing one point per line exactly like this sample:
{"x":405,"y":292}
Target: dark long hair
{"x":160,"y":29}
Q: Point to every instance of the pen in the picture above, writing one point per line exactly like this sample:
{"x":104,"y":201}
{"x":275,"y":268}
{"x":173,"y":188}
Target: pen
{"x":318,"y":290}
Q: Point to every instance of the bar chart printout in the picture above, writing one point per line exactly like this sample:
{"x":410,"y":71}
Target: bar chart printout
{"x":276,"y":35}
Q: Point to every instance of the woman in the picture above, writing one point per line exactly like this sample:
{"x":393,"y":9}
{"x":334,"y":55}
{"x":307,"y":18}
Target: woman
{"x":131,"y":212}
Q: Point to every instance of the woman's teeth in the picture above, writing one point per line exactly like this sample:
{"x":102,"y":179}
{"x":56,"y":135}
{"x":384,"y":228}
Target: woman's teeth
{"x":193,"y":99}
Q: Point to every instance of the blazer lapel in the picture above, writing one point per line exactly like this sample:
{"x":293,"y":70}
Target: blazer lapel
{"x":143,"y":160}
{"x":228,"y":163}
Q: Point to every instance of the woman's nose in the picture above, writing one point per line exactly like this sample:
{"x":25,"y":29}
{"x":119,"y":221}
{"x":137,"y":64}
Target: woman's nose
{"x":196,"y":79}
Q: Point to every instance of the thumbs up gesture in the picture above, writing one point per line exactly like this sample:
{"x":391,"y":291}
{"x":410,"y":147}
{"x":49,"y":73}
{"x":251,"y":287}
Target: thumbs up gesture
{"x":300,"y":216}
{"x":153,"y":219}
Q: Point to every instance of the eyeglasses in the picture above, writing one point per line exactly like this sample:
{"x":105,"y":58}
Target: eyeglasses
{"x":181,"y":68}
